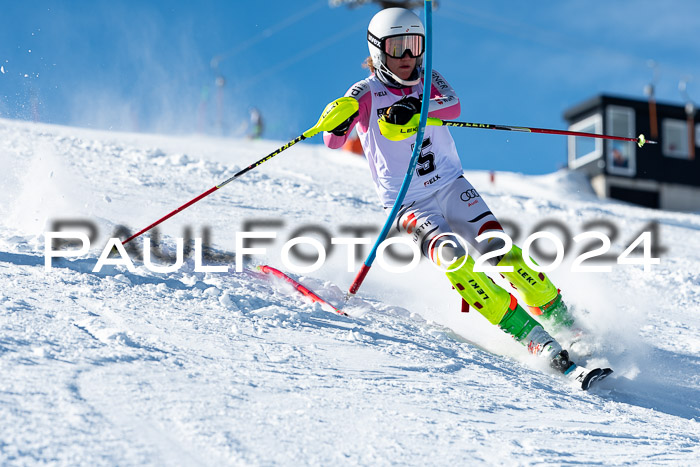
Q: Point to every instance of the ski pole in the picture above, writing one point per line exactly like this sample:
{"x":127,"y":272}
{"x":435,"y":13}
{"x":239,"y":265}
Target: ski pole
{"x":342,"y":109}
{"x":420,"y":128}
{"x":400,"y":132}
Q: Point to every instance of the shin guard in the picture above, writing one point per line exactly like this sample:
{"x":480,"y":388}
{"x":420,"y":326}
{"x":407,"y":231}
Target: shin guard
{"x":542,"y":297}
{"x":500,"y":308}
{"x":535,"y":288}
{"x":479,"y":291}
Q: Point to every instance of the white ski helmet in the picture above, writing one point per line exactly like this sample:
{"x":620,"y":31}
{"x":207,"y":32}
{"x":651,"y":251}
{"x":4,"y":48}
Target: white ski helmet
{"x":400,"y":30}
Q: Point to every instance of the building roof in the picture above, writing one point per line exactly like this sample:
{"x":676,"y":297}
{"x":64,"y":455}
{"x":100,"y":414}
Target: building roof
{"x":668,"y":108}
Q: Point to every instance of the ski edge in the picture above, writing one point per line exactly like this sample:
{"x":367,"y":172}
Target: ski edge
{"x":301,"y":289}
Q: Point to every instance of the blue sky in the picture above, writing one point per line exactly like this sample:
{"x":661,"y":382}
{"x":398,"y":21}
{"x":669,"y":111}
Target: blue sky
{"x":139,"y":65}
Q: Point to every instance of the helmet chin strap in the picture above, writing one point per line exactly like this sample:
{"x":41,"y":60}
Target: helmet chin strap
{"x":390,"y":79}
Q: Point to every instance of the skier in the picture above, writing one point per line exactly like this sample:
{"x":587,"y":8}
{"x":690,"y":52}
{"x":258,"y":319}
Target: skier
{"x":440,"y":199}
{"x":255,"y":126}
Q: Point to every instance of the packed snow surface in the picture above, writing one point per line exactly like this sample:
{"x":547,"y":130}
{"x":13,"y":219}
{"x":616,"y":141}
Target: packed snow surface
{"x":214,"y":368}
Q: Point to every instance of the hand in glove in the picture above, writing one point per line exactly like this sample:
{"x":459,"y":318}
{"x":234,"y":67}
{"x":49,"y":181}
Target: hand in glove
{"x":401,"y":112}
{"x":343,"y":128}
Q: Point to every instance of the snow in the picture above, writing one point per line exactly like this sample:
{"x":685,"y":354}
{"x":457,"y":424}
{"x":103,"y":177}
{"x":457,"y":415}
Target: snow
{"x":192,"y":368}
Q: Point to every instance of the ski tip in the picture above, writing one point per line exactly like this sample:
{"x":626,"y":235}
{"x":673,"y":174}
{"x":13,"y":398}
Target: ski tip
{"x":594,"y":376}
{"x":585,"y":378}
{"x":591,"y":378}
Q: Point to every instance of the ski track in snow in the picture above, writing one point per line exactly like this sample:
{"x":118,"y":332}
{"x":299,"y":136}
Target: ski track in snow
{"x":190,"y":368}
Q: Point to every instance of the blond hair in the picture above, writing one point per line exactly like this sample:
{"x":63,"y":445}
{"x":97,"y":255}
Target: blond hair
{"x":369,"y":65}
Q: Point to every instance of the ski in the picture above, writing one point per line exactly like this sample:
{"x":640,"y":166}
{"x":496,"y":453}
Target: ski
{"x":301,"y":289}
{"x":585,"y":377}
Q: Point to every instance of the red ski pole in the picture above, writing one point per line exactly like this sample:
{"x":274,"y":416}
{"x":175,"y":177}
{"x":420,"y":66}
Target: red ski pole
{"x":214,"y":188}
{"x":342,"y":109}
{"x":400,"y":132}
{"x":640,"y":140}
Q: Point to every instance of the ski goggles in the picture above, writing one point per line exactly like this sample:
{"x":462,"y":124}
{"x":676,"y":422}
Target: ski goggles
{"x":398,"y":46}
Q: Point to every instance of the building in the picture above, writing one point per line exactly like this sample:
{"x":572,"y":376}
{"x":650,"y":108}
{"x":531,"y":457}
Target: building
{"x":665,"y":175}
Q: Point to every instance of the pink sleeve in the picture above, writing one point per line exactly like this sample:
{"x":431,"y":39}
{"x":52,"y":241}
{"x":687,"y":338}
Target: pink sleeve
{"x":444,"y":103}
{"x":359,"y":91}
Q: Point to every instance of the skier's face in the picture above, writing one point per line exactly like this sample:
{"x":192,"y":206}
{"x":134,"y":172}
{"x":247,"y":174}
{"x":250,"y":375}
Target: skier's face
{"x":401,"y":67}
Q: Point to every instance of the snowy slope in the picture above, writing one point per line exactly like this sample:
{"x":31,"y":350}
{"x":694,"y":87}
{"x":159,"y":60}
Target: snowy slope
{"x":189,"y":368}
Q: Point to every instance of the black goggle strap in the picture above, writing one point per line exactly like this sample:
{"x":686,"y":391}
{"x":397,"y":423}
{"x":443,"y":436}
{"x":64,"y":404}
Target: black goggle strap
{"x":377,"y":42}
